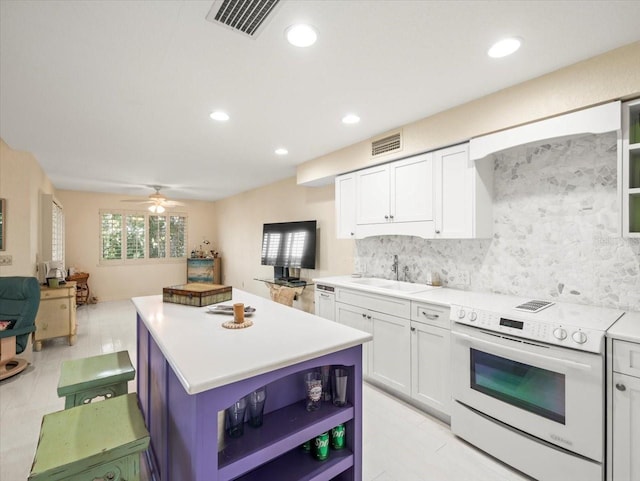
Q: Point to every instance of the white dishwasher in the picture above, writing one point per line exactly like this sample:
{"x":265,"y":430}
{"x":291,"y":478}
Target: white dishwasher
{"x":325,"y":300}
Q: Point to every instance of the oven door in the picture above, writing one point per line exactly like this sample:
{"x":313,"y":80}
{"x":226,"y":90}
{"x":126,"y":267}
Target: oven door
{"x":553,"y":393}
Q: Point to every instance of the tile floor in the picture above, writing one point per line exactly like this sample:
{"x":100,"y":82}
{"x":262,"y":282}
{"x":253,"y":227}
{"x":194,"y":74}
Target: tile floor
{"x":400,"y":442}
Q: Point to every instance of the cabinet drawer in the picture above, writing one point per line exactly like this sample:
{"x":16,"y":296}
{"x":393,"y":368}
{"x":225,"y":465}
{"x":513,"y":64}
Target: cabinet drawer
{"x":626,"y":358}
{"x":385,"y":304}
{"x":57,"y":292}
{"x":430,"y":314}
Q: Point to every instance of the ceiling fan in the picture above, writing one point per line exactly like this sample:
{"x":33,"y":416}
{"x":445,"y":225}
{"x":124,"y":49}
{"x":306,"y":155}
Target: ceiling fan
{"x":158,"y":202}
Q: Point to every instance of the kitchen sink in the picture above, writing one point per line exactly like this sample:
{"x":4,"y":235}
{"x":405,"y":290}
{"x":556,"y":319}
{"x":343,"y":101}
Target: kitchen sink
{"x":373,"y":282}
{"x":391,"y":285}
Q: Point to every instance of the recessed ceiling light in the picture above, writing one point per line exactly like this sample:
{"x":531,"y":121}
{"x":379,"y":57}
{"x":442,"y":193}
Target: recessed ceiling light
{"x":219,"y":115}
{"x":282,"y":151}
{"x":301,"y":35}
{"x":350,"y":119}
{"x":504,"y":47}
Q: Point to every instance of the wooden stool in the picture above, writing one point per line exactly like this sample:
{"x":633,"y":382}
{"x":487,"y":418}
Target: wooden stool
{"x":93,"y":441}
{"x":106,"y":375}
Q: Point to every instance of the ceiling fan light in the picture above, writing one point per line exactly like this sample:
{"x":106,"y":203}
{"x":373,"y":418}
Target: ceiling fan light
{"x":156,"y":209}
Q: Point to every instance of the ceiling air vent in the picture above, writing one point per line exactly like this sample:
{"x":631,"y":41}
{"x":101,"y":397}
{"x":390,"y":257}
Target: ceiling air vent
{"x":246,"y":16}
{"x":385,"y":145}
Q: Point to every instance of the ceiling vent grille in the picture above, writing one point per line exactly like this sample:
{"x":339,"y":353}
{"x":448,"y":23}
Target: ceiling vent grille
{"x":388,"y":144}
{"x":245,"y":16}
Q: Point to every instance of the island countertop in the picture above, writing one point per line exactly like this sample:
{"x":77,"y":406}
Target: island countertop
{"x":205,"y":355}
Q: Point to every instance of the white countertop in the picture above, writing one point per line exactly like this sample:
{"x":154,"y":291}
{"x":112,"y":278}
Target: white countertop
{"x":205,"y":355}
{"x":627,"y":328}
{"x":591,"y":317}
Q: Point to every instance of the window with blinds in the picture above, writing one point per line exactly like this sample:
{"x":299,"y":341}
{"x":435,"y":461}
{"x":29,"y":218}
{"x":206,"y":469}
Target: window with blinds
{"x":136,"y":236}
{"x":57,"y":234}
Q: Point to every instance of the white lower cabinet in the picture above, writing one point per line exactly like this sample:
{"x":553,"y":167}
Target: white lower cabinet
{"x":626,"y":411}
{"x":409,"y":352}
{"x":390,"y":352}
{"x":430,"y":352}
{"x":430,"y":382}
{"x":356,"y":317}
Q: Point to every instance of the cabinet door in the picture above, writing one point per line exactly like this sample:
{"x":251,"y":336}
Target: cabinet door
{"x":454,"y":192}
{"x":325,"y":305}
{"x":626,"y":427}
{"x":346,"y":206}
{"x":372,"y":194}
{"x":357,"y":318}
{"x":411,"y":193}
{"x":391,"y":352}
{"x":55,"y":318}
{"x":430,"y":374}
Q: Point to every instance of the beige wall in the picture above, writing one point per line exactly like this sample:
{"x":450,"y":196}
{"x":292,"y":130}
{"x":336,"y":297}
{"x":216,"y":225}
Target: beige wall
{"x":239,"y":233}
{"x":82,"y":246}
{"x":612,"y":76}
{"x":22,"y":180}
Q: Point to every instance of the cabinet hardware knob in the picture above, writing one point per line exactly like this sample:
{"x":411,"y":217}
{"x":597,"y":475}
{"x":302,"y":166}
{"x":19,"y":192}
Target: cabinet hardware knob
{"x":352,"y":233}
{"x":364,"y":315}
{"x":391,"y":217}
{"x":621,"y":387}
{"x":413,"y":329}
{"x":437,"y":232}
{"x":368,"y":317}
{"x":386,"y":217}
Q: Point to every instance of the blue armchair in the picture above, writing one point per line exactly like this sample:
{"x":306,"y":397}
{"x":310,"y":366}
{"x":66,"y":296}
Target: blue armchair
{"x":19,"y":302}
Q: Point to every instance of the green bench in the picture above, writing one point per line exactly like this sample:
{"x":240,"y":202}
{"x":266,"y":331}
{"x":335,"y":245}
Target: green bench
{"x":106,"y":375}
{"x":100,"y":440}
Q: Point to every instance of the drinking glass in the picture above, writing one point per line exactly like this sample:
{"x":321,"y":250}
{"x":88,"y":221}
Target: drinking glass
{"x":235,"y":418}
{"x":313,"y":389}
{"x":339,"y":378}
{"x":256,"y":406}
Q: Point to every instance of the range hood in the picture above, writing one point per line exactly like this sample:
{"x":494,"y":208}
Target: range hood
{"x":594,"y":120}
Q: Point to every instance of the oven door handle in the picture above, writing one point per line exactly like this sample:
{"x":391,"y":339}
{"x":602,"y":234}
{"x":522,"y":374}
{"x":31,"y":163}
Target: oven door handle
{"x":568,"y":362}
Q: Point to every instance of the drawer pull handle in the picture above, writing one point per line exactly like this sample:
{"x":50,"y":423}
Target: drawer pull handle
{"x":621,"y":387}
{"x":430,"y":316}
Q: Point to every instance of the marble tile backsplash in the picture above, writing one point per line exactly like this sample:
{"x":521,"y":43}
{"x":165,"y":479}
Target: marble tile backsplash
{"x":556,"y":217}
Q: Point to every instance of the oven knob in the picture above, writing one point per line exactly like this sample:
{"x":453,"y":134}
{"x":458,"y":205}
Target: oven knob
{"x":560,"y":333}
{"x":461,"y":314}
{"x":579,"y":336}
{"x":473,"y":316}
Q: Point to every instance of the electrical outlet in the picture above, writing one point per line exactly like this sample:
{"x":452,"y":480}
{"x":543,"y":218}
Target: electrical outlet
{"x":464,"y":278}
{"x":6,"y":260}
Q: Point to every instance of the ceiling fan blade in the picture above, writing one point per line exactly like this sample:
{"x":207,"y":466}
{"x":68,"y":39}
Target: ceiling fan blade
{"x":137,"y":201}
{"x":171,"y":203}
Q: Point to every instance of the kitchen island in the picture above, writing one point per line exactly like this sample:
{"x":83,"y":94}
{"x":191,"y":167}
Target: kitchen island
{"x":190,"y":368}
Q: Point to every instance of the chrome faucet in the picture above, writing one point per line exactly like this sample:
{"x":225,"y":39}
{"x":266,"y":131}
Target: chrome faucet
{"x":394,"y":267}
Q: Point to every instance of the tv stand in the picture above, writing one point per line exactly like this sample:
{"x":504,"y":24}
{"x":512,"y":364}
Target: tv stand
{"x":285,"y":291}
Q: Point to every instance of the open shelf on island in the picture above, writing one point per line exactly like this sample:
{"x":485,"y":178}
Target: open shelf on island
{"x":302,"y":466}
{"x":282,"y":431}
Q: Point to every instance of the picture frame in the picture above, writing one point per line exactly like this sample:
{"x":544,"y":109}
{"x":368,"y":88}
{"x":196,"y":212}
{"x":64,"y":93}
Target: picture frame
{"x":3,"y":224}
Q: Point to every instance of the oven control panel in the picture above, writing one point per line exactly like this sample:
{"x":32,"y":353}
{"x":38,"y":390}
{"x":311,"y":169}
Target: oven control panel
{"x":547,"y":332}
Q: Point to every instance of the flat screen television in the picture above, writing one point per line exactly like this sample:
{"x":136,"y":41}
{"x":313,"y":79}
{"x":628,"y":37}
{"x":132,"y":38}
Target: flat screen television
{"x":289,"y":245}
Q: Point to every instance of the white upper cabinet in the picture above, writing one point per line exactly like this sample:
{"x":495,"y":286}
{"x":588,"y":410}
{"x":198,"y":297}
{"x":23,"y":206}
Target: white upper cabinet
{"x":411,"y":195}
{"x":396,"y":198}
{"x":463,"y":194}
{"x":346,"y":206}
{"x":372,"y":198}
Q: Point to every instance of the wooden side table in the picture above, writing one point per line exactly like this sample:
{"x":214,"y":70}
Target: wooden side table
{"x":82,"y":287}
{"x":56,"y":315}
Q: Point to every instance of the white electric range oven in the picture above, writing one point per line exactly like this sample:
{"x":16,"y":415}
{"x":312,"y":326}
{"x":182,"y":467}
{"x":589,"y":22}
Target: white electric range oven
{"x":528,"y":385}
